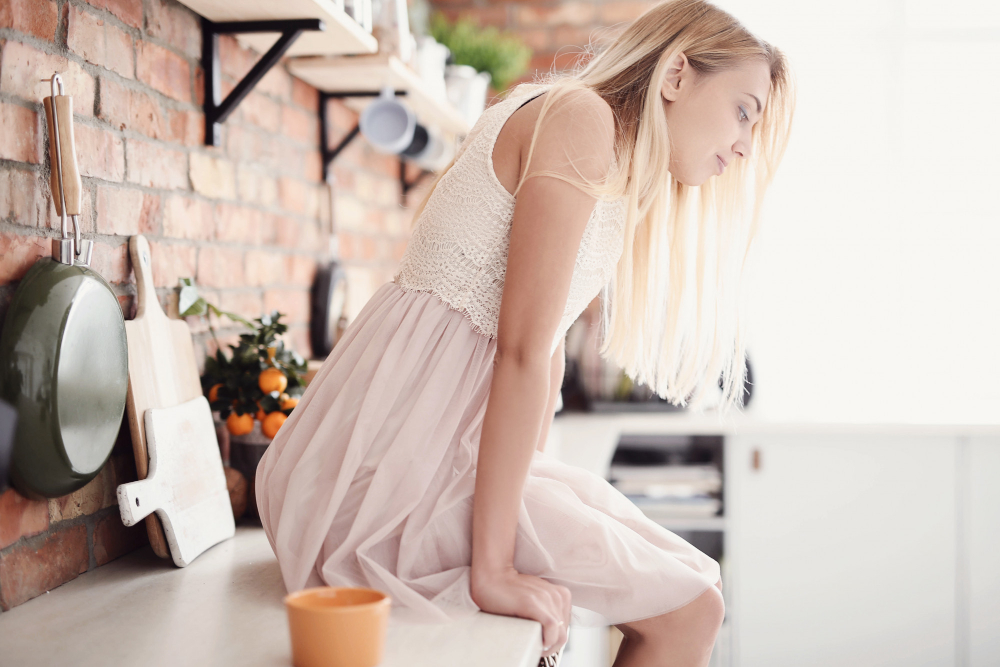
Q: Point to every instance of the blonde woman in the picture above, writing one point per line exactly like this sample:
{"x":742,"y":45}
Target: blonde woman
{"x":414,"y":463}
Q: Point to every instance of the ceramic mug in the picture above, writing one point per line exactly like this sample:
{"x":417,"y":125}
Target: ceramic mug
{"x":387,"y":123}
{"x":337,"y":626}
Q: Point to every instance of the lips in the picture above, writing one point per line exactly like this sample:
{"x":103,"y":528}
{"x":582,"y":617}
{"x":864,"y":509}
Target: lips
{"x":721,"y":163}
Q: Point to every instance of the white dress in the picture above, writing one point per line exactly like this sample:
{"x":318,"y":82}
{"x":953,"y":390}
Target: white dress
{"x":370,"y":481}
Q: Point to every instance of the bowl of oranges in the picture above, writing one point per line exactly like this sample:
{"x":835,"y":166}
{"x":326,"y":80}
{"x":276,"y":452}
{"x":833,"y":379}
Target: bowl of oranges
{"x":254,"y":390}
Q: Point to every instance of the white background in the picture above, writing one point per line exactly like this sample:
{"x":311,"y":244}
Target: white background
{"x":876,"y":290}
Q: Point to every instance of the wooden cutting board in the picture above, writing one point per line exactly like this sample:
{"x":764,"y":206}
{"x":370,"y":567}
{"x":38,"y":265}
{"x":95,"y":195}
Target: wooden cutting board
{"x":186,"y":486}
{"x":162,"y":371}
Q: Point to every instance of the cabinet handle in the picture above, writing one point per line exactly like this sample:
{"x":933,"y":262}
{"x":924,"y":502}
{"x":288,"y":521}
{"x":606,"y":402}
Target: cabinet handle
{"x":755,"y":459}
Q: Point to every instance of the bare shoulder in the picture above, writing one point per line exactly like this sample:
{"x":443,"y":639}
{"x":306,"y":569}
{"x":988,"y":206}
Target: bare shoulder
{"x":579,"y":126}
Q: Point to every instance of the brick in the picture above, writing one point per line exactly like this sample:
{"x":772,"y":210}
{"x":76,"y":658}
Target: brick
{"x":570,"y":13}
{"x":21,"y":138}
{"x":246,"y":303}
{"x":175,"y":25}
{"x":186,"y":127}
{"x":617,"y":11}
{"x":570,"y":35}
{"x":19,"y":253}
{"x":112,"y":262}
{"x":300,"y":270}
{"x":23,"y":67}
{"x":113,"y":539}
{"x":287,"y":232}
{"x":172,"y":262}
{"x":155,"y":166}
{"x":186,"y":218}
{"x":261,"y":111}
{"x":21,"y":517}
{"x":98,"y":42}
{"x":277,"y":83}
{"x":26,"y":571}
{"x":220,"y":267}
{"x":33,"y":17}
{"x":234,"y":60}
{"x":132,"y":110}
{"x":309,"y":236}
{"x":305,"y":95}
{"x":299,"y":125}
{"x":292,"y":303}
{"x":489,"y":15}
{"x":88,"y":224}
{"x":125,"y":212}
{"x":164,"y":70}
{"x":100,"y":153}
{"x":295,"y":196}
{"x":212,"y":176}
{"x":98,"y":493}
{"x":24,"y":198}
{"x":237,"y":224}
{"x":264,"y":268}
{"x":127,"y":11}
{"x":312,"y":166}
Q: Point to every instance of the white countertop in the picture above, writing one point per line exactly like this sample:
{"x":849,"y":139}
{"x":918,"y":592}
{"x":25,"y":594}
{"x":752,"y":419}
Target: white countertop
{"x":225,"y":608}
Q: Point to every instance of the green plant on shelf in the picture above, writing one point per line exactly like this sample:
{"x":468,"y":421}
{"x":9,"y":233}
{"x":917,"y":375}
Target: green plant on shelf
{"x":502,"y":54}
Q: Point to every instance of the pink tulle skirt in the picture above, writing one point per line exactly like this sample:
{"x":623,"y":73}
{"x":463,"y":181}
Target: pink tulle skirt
{"x":370,"y":483}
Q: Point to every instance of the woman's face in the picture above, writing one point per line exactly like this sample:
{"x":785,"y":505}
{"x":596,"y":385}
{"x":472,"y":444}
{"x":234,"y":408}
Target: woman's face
{"x":710,"y":116}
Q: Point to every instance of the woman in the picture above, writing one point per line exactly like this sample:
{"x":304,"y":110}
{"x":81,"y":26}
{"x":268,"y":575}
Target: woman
{"x":414,"y":461}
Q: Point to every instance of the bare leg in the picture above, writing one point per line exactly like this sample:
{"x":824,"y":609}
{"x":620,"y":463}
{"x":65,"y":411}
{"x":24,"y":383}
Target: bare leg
{"x":681,"y":638}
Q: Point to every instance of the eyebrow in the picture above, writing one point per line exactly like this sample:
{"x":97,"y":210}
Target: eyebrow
{"x":755,"y":100}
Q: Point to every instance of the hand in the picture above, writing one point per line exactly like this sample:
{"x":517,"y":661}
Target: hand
{"x":510,"y":593}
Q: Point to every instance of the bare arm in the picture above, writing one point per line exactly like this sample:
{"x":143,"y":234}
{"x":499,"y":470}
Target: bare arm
{"x":548,"y":223}
{"x":557,"y":369}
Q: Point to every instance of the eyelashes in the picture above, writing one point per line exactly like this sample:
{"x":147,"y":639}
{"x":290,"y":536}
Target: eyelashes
{"x":743,"y":114}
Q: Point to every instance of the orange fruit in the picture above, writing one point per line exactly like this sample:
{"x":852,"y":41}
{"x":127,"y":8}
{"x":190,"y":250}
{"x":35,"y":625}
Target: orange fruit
{"x":213,"y":393}
{"x":260,"y":414}
{"x":289,"y":403}
{"x":272,"y":423}
{"x":272,"y":379}
{"x":239,"y":424}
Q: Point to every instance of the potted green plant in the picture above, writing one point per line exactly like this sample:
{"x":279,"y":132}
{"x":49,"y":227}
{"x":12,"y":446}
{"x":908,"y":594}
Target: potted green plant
{"x":480,"y":57}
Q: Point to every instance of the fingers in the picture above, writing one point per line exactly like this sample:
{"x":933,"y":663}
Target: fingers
{"x":555,"y":632}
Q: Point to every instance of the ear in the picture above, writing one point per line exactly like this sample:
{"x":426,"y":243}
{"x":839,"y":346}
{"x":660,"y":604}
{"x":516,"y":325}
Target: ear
{"x":678,"y":72}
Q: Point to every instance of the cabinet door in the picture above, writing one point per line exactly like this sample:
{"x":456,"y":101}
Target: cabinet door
{"x":981,"y":577}
{"x":843,"y":550}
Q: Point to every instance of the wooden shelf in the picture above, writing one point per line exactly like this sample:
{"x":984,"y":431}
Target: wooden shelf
{"x":370,"y":73}
{"x":343,"y":35}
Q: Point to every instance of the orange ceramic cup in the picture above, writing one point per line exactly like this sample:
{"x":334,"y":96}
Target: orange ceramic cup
{"x":337,"y":627}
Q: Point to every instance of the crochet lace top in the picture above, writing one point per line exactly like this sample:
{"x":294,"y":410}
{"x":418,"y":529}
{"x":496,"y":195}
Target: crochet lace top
{"x":458,"y":249}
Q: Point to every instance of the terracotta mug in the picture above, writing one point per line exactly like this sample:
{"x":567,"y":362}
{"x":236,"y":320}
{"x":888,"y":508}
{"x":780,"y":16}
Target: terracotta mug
{"x":337,"y":626}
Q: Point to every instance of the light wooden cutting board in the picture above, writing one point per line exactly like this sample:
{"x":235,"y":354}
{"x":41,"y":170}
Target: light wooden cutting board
{"x":186,"y":486}
{"x":162,"y":371}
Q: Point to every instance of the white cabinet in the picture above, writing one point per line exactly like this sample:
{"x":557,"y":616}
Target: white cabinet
{"x":844,"y":550}
{"x":979,"y":569}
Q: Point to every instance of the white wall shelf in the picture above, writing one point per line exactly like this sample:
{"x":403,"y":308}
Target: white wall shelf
{"x":343,"y":35}
{"x":369,"y":73}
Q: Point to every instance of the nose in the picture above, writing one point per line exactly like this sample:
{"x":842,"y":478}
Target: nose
{"x":742,"y":148}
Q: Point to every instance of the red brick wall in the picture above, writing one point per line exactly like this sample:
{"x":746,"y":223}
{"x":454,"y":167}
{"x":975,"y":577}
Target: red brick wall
{"x":247,"y":220}
{"x":556,"y":31}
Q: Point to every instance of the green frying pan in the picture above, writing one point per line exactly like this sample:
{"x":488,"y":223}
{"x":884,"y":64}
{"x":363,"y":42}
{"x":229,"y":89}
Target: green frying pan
{"x":63,"y":356}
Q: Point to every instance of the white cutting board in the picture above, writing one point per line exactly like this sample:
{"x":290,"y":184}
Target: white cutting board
{"x":186,"y":485}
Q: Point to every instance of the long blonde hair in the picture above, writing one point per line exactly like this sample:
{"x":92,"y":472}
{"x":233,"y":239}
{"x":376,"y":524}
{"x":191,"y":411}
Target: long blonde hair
{"x":670,"y":323}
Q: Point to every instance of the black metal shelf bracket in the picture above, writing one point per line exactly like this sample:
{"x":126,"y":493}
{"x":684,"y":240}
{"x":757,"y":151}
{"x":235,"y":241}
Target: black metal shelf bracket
{"x":329,"y":154}
{"x":405,"y":185}
{"x":216,"y":109}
